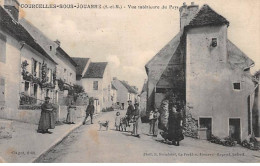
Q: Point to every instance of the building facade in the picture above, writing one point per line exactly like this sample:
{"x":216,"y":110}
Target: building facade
{"x":125,"y":92}
{"x":207,"y":73}
{"x":66,"y":67}
{"x":26,"y":70}
{"x":96,"y":79}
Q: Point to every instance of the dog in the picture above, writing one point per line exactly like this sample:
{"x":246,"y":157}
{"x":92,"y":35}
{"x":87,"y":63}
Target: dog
{"x":123,"y":124}
{"x":103,"y":124}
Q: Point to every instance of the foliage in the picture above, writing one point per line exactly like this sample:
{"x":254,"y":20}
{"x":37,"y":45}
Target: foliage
{"x":251,"y":143}
{"x":78,"y":89}
{"x":27,"y":100}
{"x":227,"y":141}
{"x":44,"y":72}
{"x":49,"y":85}
{"x":61,"y":84}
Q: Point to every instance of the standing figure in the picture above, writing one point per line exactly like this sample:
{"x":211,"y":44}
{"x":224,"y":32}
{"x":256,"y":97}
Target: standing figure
{"x":137,"y":121}
{"x":175,"y":126}
{"x":71,"y":115}
{"x":47,"y":119}
{"x":89,"y":112}
{"x":129,"y":112}
{"x":154,"y":122}
{"x":117,"y":121}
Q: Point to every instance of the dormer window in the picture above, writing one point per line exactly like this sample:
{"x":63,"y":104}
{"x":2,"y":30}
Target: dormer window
{"x":214,"y":42}
{"x":50,"y":48}
{"x":236,"y":86}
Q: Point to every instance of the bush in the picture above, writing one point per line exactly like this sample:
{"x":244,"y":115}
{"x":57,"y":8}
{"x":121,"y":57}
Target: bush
{"x":227,"y":141}
{"x":251,"y":143}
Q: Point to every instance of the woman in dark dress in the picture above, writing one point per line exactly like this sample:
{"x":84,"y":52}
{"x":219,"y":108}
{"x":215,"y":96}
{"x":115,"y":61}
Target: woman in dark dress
{"x":175,"y":126}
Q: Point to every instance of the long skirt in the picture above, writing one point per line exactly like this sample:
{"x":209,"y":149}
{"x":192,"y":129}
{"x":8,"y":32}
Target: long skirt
{"x":71,"y":116}
{"x":47,"y":121}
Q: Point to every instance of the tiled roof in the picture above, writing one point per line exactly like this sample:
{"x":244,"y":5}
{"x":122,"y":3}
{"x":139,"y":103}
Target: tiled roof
{"x":65,"y":55}
{"x":95,"y":70}
{"x":81,"y":63}
{"x":129,"y":88}
{"x":207,"y":16}
{"x":18,"y":31}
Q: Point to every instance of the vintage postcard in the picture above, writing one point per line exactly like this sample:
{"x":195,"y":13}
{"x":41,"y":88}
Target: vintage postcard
{"x":129,"y":81}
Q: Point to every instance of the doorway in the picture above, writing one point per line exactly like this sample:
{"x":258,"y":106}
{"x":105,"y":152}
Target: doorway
{"x":234,"y":128}
{"x":206,"y":123}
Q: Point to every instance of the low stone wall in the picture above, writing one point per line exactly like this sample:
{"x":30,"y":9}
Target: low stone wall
{"x":33,"y":116}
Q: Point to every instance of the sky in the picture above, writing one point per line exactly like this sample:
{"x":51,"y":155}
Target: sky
{"x":129,"y":38}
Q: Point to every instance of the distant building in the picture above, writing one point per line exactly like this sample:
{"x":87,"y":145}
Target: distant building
{"x":207,"y":73}
{"x":125,"y":92}
{"x":96,"y":80}
{"x":114,"y":95}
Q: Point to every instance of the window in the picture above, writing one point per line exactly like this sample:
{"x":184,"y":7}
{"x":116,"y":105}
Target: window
{"x":2,"y":48}
{"x":40,"y":70}
{"x":95,"y":85}
{"x":34,"y":67}
{"x":236,"y":86}
{"x":50,"y":48}
{"x":2,"y":91}
{"x":26,"y":87}
{"x":35,"y":88}
{"x":214,"y":42}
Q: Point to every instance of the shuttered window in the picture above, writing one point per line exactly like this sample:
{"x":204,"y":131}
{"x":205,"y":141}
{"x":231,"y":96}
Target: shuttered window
{"x":2,"y":91}
{"x":2,"y":48}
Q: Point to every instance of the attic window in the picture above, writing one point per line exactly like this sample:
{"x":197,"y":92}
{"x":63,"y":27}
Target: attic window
{"x":236,"y":86}
{"x":214,"y":42}
{"x":50,"y":48}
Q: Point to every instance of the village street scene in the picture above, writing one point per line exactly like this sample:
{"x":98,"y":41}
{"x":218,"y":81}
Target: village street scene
{"x":73,"y":99}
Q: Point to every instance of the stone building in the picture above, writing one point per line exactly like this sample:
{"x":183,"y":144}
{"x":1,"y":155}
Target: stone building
{"x":206,"y":72}
{"x":125,"y":92}
{"x":25,"y":68}
{"x":66,"y":67}
{"x":96,"y":79}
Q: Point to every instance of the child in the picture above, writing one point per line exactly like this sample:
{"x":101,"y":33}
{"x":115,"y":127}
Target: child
{"x":117,"y":121}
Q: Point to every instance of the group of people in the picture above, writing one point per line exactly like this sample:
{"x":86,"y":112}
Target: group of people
{"x":132,"y":116}
{"x":49,"y":115}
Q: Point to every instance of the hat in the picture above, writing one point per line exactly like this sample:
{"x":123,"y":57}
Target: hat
{"x":47,"y":98}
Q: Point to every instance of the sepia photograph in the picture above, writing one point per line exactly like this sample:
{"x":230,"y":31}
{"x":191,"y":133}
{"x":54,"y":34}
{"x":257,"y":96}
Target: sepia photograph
{"x":129,"y":81}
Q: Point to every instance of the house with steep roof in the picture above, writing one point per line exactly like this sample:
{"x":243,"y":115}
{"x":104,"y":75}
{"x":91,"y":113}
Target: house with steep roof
{"x":96,"y":79}
{"x":205,"y":74}
{"x":25,"y":68}
{"x":125,"y":92}
{"x":66,"y":67}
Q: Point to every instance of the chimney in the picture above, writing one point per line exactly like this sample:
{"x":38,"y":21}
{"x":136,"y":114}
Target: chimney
{"x":12,"y":6}
{"x":114,"y":78}
{"x":187,"y":13}
{"x":57,"y":42}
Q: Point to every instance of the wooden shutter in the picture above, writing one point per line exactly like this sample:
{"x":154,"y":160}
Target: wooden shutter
{"x":2,"y":91}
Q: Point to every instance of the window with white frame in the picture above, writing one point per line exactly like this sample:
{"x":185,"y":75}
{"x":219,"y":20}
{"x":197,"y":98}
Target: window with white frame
{"x":95,"y":85}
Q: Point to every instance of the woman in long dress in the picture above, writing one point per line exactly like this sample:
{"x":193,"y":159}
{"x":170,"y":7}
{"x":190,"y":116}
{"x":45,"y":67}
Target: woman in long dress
{"x":71,"y":115}
{"x":175,"y":126}
{"x":47,"y":117}
{"x":137,"y":121}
